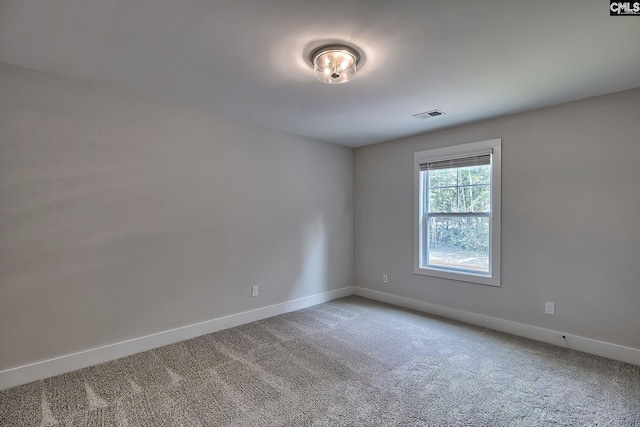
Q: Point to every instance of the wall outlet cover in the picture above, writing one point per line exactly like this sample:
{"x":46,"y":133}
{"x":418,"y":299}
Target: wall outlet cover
{"x":550,"y":308}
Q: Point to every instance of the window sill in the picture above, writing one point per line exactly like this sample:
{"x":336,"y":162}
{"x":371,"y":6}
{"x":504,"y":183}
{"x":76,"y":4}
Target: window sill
{"x":460,"y":276}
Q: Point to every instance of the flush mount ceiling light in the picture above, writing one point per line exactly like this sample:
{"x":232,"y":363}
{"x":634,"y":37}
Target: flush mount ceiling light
{"x":335,"y":64}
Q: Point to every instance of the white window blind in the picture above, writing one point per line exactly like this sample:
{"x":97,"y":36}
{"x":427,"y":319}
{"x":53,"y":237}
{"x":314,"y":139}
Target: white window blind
{"x":484,"y":159}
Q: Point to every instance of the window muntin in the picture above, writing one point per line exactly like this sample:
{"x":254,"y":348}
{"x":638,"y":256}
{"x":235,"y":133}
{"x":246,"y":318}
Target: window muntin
{"x":457,"y":228}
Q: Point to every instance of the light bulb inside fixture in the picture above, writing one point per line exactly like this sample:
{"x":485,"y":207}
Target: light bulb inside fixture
{"x":335,"y":64}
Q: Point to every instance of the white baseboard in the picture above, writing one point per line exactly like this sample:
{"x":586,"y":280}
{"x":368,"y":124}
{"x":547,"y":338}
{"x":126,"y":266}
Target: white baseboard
{"x":576,"y":342}
{"x":70,"y":362}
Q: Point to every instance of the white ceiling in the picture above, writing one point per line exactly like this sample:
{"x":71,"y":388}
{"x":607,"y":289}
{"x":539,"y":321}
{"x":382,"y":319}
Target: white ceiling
{"x":245,"y":59}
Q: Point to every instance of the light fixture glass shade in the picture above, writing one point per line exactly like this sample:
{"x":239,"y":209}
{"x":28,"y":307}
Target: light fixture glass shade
{"x":335,"y":64}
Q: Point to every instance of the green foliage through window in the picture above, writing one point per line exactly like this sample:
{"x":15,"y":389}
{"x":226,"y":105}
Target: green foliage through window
{"x":465,"y":189}
{"x":455,"y":241}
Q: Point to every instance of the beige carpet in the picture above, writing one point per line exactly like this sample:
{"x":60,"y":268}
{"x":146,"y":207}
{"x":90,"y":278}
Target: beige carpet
{"x":350,"y":362}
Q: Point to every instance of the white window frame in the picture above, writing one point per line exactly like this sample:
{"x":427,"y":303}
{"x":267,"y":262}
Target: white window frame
{"x":460,"y":151}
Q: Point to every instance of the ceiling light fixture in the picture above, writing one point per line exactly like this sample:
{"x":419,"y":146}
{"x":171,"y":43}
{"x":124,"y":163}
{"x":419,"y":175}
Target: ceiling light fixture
{"x":335,"y":64}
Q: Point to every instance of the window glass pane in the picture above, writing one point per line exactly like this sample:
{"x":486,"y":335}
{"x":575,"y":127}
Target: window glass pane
{"x":459,"y":243}
{"x":442,"y":177}
{"x":475,"y":198}
{"x":474,"y":175}
{"x":443,"y":200}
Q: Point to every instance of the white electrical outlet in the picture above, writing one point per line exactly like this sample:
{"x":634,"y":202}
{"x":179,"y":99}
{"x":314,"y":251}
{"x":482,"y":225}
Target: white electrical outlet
{"x":254,"y":291}
{"x":550,"y":308}
{"x":385,"y":279}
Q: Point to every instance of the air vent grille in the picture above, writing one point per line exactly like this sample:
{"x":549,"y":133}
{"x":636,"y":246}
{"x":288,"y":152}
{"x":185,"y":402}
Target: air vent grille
{"x":428,"y":114}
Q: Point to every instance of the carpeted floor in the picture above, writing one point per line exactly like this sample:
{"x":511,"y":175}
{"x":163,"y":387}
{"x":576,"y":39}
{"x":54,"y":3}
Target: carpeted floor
{"x":349,"y":362}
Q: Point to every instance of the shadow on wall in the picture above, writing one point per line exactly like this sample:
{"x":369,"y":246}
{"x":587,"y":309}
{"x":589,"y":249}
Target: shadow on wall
{"x":298,"y":263}
{"x":314,"y":263}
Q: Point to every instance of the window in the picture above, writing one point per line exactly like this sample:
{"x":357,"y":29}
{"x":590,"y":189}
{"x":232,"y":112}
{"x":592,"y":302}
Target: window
{"x":457,"y":212}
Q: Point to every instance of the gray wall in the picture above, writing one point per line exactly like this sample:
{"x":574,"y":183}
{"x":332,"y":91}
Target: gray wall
{"x":570,"y":219}
{"x":121,"y":217}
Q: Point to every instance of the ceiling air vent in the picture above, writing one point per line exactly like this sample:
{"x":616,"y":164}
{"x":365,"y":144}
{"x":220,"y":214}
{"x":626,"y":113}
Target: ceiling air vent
{"x":428,"y":114}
